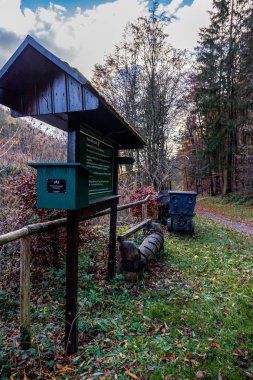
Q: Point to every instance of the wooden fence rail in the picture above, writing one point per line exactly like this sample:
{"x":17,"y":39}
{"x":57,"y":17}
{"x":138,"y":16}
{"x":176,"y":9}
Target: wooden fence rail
{"x":133,"y":230}
{"x":25,"y":257}
{"x":37,"y":228}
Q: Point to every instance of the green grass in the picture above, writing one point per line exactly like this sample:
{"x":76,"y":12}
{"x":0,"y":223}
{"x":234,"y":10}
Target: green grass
{"x":229,"y":208}
{"x":191,"y":315}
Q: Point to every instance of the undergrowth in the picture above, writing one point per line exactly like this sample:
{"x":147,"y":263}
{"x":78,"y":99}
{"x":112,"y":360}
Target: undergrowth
{"x":235,"y":198}
{"x":189,"y":318}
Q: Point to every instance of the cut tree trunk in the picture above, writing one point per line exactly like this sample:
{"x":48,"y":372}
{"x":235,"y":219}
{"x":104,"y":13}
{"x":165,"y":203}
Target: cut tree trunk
{"x":134,"y":259}
{"x":130,"y":261}
{"x":150,"y":247}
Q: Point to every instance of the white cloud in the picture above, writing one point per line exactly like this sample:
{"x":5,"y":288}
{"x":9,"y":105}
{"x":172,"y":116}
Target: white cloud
{"x":58,"y":7}
{"x":172,"y":7}
{"x":183,"y":31}
{"x":83,"y":38}
{"x":11,"y":17}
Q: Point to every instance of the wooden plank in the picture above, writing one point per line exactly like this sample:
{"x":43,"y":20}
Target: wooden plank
{"x":91,"y":101}
{"x":94,"y":208}
{"x":134,"y":229}
{"x":44,"y":96}
{"x":60,"y":93}
{"x":115,"y":172}
{"x":125,"y":161}
{"x":25,"y":319}
{"x":75,"y":97}
{"x":29,"y":101}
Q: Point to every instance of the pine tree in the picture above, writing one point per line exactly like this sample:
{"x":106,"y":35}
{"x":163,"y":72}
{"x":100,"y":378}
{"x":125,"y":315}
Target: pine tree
{"x":217,"y":97}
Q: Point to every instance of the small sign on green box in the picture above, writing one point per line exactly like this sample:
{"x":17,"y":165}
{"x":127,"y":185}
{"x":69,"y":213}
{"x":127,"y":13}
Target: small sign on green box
{"x":62,"y":185}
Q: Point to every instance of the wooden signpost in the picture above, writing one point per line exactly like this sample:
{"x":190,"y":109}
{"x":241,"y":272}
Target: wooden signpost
{"x":36,"y":83}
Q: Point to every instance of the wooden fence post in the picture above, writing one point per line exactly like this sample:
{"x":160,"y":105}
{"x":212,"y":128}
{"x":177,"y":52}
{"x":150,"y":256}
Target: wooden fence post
{"x":144,"y":211}
{"x":25,"y":319}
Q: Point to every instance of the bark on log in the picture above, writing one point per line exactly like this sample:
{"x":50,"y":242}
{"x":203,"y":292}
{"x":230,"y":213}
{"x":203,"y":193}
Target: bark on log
{"x":133,"y":259}
{"x":150,"y":247}
{"x":156,"y":227}
{"x":130,"y":261}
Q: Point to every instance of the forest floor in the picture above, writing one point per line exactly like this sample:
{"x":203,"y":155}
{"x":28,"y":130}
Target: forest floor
{"x":190,"y":317}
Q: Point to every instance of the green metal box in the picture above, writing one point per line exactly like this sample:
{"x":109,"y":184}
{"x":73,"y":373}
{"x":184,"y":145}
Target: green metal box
{"x":62,"y":185}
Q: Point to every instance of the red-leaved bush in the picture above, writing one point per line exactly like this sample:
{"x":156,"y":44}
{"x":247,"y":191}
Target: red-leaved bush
{"x":24,"y":187}
{"x":47,"y":248}
{"x":141,"y":193}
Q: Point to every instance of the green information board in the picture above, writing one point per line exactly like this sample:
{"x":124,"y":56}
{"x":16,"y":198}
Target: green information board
{"x":97,"y":156}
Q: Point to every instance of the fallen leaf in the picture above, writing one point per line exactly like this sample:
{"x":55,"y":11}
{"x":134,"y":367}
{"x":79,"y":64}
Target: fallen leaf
{"x":200,"y":375}
{"x":170,"y":357}
{"x":249,"y":374}
{"x":13,"y":376}
{"x":65,"y":370}
{"x":132,"y":375}
{"x":215,"y":345}
{"x":241,"y":337}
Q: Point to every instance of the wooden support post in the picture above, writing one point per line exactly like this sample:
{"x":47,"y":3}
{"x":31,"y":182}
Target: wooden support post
{"x":25,"y":319}
{"x":144,"y":211}
{"x":112,"y":241}
{"x":71,"y":322}
{"x":71,"y":326}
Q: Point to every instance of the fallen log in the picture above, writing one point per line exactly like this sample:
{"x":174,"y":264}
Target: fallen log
{"x":134,"y":259}
{"x":150,"y":247}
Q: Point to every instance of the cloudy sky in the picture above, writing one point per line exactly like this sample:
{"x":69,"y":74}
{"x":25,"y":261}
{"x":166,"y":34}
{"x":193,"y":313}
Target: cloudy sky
{"x":81,"y":32}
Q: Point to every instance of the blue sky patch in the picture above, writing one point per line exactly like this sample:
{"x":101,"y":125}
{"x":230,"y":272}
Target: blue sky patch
{"x":69,"y":4}
{"x":83,"y":4}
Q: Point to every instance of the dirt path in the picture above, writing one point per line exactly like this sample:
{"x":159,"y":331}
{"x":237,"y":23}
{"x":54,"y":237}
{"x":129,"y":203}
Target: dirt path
{"x":228,"y":223}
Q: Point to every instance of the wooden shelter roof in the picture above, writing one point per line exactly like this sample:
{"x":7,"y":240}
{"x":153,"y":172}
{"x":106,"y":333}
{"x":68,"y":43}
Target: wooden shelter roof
{"x":34,"y":82}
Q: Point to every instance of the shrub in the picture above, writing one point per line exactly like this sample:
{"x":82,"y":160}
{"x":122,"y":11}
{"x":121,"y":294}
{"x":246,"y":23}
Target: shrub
{"x":241,"y":199}
{"x":47,"y":248}
{"x":141,"y":193}
{"x":23,"y":189}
